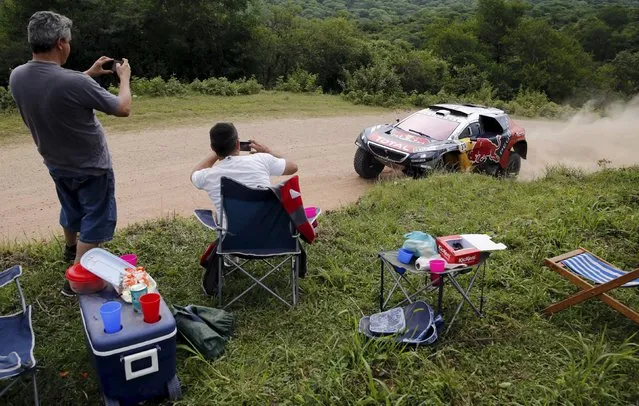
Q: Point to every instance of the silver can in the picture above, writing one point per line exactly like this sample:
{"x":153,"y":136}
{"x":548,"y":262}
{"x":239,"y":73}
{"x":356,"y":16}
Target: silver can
{"x":136,"y":292}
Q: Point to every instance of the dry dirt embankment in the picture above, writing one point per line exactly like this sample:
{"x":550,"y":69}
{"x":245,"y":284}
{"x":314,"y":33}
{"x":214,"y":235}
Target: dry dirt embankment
{"x":152,"y":167}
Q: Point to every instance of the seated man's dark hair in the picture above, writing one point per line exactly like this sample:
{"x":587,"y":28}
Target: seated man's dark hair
{"x":223,"y":139}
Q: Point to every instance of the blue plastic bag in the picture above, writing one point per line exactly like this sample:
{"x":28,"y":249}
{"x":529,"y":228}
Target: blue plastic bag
{"x":420,"y":243}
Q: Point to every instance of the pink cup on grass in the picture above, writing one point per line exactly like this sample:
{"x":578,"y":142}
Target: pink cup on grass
{"x":130,"y":258}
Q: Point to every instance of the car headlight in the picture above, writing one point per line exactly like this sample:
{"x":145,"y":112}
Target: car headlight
{"x":362,"y":139}
{"x":425,"y":155}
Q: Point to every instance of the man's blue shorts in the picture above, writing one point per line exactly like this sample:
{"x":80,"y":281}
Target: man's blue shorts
{"x":88,"y":204}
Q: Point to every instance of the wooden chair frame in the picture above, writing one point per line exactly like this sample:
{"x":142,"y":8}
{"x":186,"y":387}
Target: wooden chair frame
{"x":588,"y":289}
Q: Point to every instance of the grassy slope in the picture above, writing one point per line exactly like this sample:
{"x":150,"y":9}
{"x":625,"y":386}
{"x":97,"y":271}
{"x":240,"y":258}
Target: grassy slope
{"x":160,"y":112}
{"x":314,"y":355}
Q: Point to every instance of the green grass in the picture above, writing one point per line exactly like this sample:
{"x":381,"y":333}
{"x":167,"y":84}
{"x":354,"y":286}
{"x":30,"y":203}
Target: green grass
{"x":313,"y":355}
{"x":160,"y":112}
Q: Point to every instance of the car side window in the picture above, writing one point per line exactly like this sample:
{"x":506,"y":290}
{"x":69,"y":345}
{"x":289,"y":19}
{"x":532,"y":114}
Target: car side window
{"x":465,"y":133}
{"x":475,"y":129}
{"x":472,"y":130}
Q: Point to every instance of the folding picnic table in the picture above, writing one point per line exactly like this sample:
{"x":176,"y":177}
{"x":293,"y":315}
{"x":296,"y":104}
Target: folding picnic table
{"x":399,"y":273}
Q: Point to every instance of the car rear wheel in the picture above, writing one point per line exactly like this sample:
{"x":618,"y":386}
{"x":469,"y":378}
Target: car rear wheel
{"x":366,"y":165}
{"x":513,"y":167}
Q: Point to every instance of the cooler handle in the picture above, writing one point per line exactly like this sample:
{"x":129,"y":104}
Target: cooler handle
{"x":129,"y":359}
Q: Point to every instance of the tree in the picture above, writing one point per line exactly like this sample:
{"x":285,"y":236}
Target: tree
{"x":496,"y":20}
{"x":625,"y":68}
{"x":421,"y":71}
{"x":544,"y":59}
{"x":596,"y":37}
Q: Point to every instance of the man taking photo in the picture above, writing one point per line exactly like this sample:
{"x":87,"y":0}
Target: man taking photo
{"x":58,"y":106}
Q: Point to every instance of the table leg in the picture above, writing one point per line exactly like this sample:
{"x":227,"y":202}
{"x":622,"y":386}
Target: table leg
{"x":381,"y":285}
{"x":464,"y":299}
{"x":465,"y":294}
{"x":440,"y":295}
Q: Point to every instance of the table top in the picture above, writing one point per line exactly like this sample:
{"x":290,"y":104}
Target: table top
{"x":390,"y":257}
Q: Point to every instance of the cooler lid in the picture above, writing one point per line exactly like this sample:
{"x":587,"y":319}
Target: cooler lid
{"x":78,"y":273}
{"x":135,"y":332}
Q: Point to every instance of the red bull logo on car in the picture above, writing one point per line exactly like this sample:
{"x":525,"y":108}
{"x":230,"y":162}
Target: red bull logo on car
{"x":488,"y":150}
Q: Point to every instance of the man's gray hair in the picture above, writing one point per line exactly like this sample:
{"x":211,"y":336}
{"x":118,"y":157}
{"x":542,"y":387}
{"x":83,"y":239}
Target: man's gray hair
{"x":46,"y":28}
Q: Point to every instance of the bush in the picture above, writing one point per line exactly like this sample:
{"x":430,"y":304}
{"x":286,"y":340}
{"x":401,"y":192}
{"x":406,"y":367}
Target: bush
{"x":300,"y":81}
{"x":530,"y":103}
{"x":215,"y":87}
{"x":174,"y":87}
{"x":157,"y":87}
{"x":248,"y":86}
{"x":374,"y":85}
{"x":148,"y":87}
{"x":6,"y":100}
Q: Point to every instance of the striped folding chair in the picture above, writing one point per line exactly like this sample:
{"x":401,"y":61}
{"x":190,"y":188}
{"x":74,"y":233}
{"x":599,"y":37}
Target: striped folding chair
{"x":579,"y":264}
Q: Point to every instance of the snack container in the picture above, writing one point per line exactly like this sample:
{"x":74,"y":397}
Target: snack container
{"x":82,"y":281}
{"x":136,"y":363}
{"x":455,"y":249}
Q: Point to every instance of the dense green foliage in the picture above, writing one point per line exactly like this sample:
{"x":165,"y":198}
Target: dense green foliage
{"x":572,"y":51}
{"x":313,"y":355}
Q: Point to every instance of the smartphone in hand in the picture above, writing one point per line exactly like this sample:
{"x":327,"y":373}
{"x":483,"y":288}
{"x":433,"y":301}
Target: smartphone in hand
{"x":110,"y":65}
{"x":245,"y":145}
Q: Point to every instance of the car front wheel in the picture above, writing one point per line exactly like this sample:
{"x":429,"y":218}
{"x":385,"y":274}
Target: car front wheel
{"x":513,"y":167}
{"x":366,"y":165}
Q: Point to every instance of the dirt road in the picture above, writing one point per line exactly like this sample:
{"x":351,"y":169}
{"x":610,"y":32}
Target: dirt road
{"x":152,"y":167}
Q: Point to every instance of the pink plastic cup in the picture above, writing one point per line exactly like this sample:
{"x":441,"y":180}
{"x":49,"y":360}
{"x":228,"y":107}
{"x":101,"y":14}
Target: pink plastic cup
{"x":436,"y":266}
{"x":150,"y":304}
{"x":130,"y":258}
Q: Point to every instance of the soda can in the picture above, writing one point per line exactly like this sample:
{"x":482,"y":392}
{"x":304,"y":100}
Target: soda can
{"x":137,"y":291}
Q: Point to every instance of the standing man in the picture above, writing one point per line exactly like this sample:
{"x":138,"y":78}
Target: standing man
{"x":58,"y":106}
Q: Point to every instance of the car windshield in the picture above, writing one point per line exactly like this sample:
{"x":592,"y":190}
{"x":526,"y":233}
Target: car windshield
{"x":435,"y":127}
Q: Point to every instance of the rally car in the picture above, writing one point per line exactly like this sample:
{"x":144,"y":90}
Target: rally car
{"x":444,"y":136}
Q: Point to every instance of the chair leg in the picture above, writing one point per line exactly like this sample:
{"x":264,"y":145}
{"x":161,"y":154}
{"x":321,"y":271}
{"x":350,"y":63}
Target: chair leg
{"x":36,"y":398}
{"x":592,"y":292}
{"x":295,"y":279}
{"x":220,"y":266}
{"x":609,"y":300}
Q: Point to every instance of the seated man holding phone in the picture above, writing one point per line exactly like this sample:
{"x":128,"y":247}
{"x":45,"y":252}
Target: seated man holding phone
{"x":252,"y":170}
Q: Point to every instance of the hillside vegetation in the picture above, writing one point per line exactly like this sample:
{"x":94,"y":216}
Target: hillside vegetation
{"x":373,"y":51}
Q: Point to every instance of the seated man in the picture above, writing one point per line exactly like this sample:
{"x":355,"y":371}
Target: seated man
{"x":251,"y":170}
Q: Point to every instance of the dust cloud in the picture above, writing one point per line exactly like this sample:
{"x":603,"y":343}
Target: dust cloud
{"x":585,"y":141}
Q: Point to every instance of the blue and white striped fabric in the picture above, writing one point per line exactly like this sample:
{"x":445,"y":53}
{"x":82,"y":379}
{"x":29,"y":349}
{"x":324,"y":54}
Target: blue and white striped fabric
{"x":588,"y":266}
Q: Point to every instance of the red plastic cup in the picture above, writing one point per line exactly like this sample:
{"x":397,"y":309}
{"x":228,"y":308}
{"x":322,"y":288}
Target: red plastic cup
{"x":150,"y":304}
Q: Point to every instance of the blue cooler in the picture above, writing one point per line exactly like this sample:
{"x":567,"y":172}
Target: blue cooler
{"x":137,"y":362}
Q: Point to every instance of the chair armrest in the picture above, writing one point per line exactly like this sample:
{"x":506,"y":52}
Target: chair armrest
{"x":9,"y":275}
{"x":206,"y":218}
{"x":10,"y":362}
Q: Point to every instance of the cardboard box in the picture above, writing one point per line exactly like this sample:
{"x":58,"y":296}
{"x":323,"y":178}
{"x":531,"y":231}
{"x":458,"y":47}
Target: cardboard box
{"x":456,"y":249}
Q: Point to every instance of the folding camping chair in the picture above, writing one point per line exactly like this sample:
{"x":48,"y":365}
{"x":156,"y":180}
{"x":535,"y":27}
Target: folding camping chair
{"x":583,"y":263}
{"x":17,"y":342}
{"x":256,"y":227}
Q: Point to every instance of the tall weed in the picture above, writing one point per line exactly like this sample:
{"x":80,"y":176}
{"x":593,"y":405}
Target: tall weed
{"x":300,"y":81}
{"x":6,"y":100}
